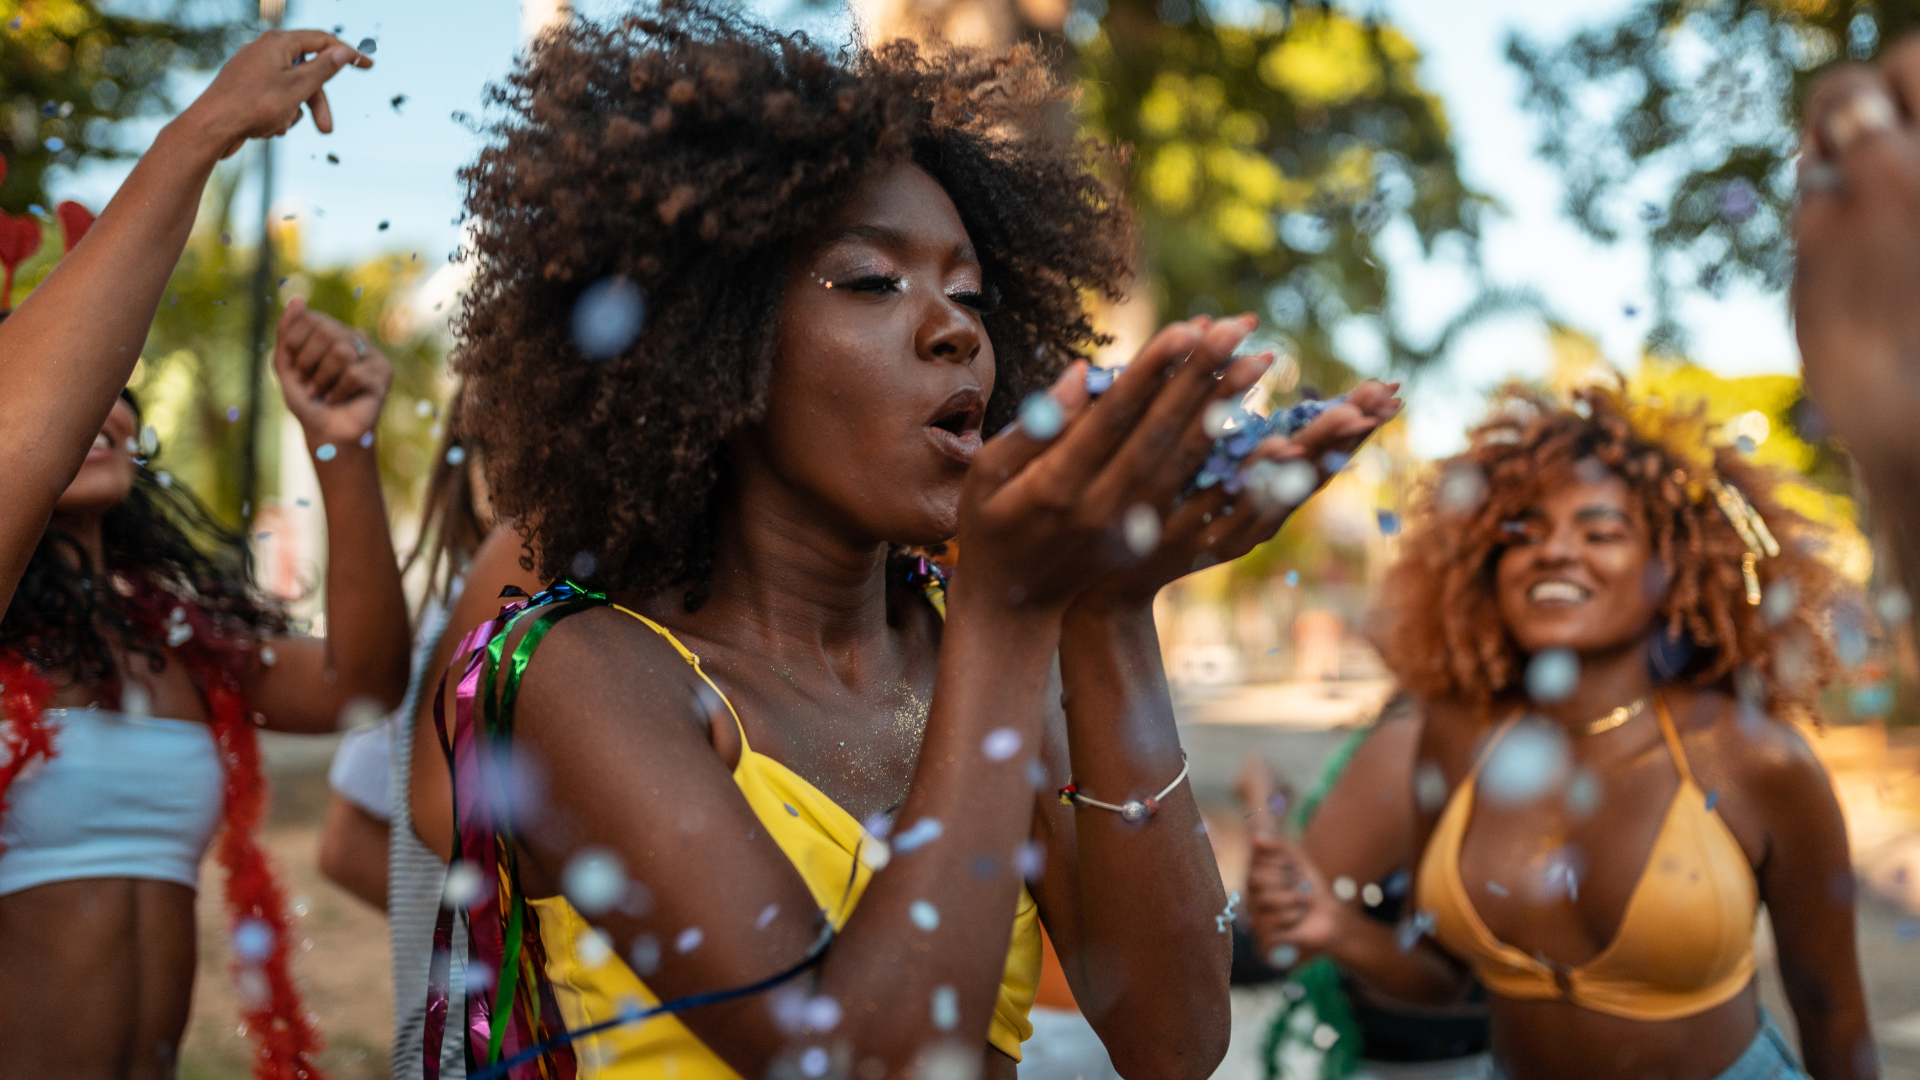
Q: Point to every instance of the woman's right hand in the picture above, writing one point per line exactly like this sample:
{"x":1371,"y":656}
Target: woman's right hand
{"x":1042,"y":518}
{"x":1288,"y":902}
{"x":259,"y":91}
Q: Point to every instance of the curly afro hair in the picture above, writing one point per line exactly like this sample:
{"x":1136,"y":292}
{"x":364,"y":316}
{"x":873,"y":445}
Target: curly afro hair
{"x":1439,"y":623}
{"x":690,"y":152}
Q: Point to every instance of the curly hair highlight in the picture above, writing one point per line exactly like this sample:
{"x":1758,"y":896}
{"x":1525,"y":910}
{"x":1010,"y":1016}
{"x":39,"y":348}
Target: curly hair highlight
{"x":1439,"y":623}
{"x":690,"y":151}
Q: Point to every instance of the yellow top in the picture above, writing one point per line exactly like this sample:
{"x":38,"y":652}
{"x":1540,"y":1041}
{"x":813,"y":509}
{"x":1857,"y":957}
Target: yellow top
{"x":821,"y":839}
{"x":1684,"y":945}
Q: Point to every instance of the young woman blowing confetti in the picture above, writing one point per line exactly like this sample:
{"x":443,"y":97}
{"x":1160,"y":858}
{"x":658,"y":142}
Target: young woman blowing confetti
{"x":751,"y":729}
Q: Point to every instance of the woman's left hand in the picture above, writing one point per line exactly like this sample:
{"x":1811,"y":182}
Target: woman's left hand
{"x":334,"y":381}
{"x":1212,"y":526}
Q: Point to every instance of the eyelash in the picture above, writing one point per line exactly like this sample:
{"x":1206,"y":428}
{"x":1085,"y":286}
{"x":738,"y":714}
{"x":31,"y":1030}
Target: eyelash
{"x":985,"y":302}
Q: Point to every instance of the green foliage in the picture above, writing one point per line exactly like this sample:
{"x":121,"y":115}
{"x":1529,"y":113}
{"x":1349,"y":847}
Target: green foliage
{"x":193,"y":375}
{"x":1681,"y":118}
{"x":71,"y":70}
{"x":1269,"y":156}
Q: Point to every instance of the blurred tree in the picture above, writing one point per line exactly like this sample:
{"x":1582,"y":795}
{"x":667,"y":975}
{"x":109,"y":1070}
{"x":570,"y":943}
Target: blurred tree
{"x":1270,"y":155}
{"x":1680,"y":121}
{"x":70,"y":70}
{"x":192,"y":375}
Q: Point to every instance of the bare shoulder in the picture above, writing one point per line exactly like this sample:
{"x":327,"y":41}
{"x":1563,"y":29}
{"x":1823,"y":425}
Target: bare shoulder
{"x":601,"y":666}
{"x":1450,"y":732}
{"x":1763,"y":754}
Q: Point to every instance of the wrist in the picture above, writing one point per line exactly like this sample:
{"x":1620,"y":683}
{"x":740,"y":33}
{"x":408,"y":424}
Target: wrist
{"x":324,"y":449}
{"x":1104,"y":608}
{"x":975,"y":597}
{"x":197,"y":136}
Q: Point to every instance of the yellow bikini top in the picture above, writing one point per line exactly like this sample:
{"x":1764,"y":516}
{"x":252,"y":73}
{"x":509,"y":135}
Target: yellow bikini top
{"x":1684,"y":945}
{"x":821,"y":839}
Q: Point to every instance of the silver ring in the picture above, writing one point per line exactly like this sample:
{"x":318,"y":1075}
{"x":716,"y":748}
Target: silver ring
{"x":1862,"y":114}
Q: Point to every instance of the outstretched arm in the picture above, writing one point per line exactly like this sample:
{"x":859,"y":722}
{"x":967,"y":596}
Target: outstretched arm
{"x":335,"y":384}
{"x":68,"y":350}
{"x":1856,"y":304}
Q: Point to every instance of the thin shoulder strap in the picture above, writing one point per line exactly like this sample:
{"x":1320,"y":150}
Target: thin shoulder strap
{"x":1673,"y":738}
{"x":1493,"y":740}
{"x":688,"y":655}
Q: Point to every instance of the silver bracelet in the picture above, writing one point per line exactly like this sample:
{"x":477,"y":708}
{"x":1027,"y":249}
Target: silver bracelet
{"x":1133,"y":810}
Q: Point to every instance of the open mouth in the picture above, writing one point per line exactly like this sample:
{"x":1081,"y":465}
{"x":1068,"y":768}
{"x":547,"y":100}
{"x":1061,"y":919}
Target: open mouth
{"x":102,"y":447}
{"x":1558,"y":592}
{"x":955,"y":429}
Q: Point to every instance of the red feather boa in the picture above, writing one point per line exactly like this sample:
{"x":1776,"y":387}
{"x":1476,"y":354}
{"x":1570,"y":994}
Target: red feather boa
{"x":270,"y":1004}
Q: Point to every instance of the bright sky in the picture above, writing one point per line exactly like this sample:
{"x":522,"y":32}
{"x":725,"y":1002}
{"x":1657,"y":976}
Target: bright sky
{"x":397,"y":167}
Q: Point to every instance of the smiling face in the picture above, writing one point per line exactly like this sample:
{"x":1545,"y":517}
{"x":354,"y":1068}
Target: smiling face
{"x":1578,"y":572}
{"x":106,"y":476}
{"x":883,"y":371}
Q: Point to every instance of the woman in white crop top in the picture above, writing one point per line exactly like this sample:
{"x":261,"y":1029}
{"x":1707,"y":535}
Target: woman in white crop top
{"x":135,"y":656}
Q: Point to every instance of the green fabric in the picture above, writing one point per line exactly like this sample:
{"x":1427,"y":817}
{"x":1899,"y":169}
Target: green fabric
{"x":1314,"y":997}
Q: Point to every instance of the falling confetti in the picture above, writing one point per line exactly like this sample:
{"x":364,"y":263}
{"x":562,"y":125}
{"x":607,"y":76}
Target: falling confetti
{"x":594,"y":880}
{"x":1498,"y":889}
{"x":1293,"y":579}
{"x":1893,"y":606}
{"x":325,"y":452}
{"x":1325,"y":1035}
{"x":423,"y":408}
{"x":946,"y":1008}
{"x":384,"y":226}
{"x":923,"y":832}
{"x":924,"y":915}
{"x":1371,"y":894}
{"x":253,"y":941}
{"x":1429,"y":787}
{"x":645,"y":954}
{"x":1777,"y":603}
{"x":1462,"y":488}
{"x":456,"y":455}
{"x":1030,"y":860}
{"x":1225,"y":919}
{"x":333,"y":159}
{"x":814,"y":1062}
{"x":1529,"y":760}
{"x":462,"y":887}
{"x":1552,"y":674}
{"x":1283,"y":957}
{"x":766,"y":916}
{"x":1389,"y":522}
{"x":398,"y":100}
{"x":1344,"y":889}
{"x":1141,"y":526}
{"x":1001,"y":744}
{"x":368,"y":46}
{"x":593,"y":948}
{"x":689,"y":940}
{"x":583,"y":565}
{"x":1713,"y":798}
{"x":233,"y":413}
{"x":366,"y":440}
{"x":1583,"y":794}
{"x":1293,"y":481}
{"x":1041,"y":417}
{"x":608,"y":317}
{"x":1738,"y":200}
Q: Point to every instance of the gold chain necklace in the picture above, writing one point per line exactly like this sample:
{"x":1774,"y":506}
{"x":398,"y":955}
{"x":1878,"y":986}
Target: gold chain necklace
{"x":1615,"y":718}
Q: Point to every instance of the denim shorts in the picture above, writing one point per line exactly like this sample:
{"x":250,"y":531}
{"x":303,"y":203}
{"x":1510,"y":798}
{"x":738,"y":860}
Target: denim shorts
{"x":1769,"y":1057}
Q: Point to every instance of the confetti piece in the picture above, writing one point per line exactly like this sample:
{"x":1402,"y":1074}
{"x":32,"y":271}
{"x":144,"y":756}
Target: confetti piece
{"x":383,"y":227}
{"x":1141,"y":526}
{"x":766,"y":916}
{"x":594,"y":880}
{"x":1001,"y":744}
{"x":398,"y":100}
{"x":1552,"y":674}
{"x":645,"y":954}
{"x":1344,"y":889}
{"x":608,"y":317}
{"x":1222,"y":921}
{"x":456,"y":455}
{"x":1498,"y":889}
{"x":253,"y":941}
{"x":924,"y":915}
{"x":946,"y":1008}
{"x":1371,"y":894}
{"x":1041,"y":417}
{"x":368,"y":46}
{"x":1283,"y":957}
{"x":325,"y":451}
{"x":333,"y":159}
{"x":923,"y":832}
{"x":814,"y":1062}
{"x":1713,"y":798}
{"x":1530,"y":760}
{"x":688,"y":940}
{"x":233,"y":413}
{"x":366,"y":440}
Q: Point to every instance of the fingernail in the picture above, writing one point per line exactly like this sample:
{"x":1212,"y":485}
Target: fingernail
{"x":341,"y":54}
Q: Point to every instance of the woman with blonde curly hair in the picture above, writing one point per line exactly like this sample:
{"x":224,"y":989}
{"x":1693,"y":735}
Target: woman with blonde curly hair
{"x":1606,"y":623}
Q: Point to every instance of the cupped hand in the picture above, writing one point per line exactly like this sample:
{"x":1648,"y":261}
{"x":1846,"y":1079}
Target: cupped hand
{"x":1288,"y":902}
{"x":1043,"y":514}
{"x":1857,"y":240}
{"x":259,"y":91}
{"x":334,"y":380}
{"x":1229,"y":519}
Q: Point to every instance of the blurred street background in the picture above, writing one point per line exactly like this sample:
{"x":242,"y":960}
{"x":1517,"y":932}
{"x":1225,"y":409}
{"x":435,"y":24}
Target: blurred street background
{"x":1455,"y":194}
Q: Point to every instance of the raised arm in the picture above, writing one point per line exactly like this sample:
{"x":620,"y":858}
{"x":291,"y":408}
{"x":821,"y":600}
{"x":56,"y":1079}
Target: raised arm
{"x":70,"y":347}
{"x":335,"y":384}
{"x":1856,"y":288}
{"x":1132,"y":908}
